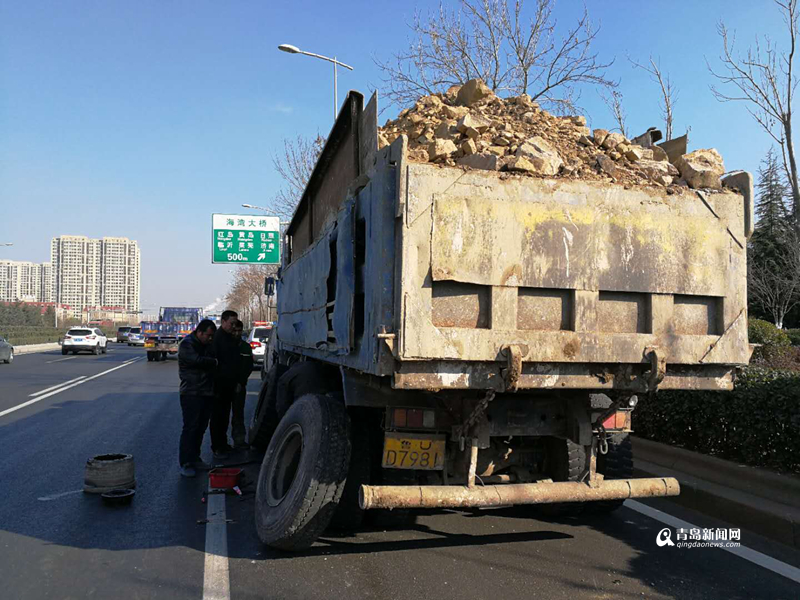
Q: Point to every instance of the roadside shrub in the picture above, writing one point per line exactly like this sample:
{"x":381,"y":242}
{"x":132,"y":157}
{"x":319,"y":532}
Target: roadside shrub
{"x":794,"y":336}
{"x":21,"y":335}
{"x":764,"y":332}
{"x":756,"y":424}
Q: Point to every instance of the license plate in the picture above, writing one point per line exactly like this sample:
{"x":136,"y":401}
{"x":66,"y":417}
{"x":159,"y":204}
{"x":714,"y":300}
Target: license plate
{"x":414,"y":451}
{"x":77,"y":339}
{"x":149,"y":345}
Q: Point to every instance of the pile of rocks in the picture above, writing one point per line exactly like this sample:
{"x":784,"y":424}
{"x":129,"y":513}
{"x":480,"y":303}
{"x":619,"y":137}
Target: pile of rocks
{"x":470,"y":126}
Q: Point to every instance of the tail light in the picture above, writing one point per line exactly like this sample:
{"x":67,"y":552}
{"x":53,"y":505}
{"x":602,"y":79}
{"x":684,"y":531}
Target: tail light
{"x":255,"y":344}
{"x":620,"y":420}
{"x":90,"y":337}
{"x":413,"y":417}
{"x":67,"y":337}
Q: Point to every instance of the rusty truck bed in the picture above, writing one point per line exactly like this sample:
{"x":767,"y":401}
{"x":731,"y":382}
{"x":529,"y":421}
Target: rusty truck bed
{"x":442,"y":278}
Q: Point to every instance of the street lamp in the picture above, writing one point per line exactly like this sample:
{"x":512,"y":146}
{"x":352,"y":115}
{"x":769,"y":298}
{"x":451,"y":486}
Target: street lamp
{"x":295,"y":50}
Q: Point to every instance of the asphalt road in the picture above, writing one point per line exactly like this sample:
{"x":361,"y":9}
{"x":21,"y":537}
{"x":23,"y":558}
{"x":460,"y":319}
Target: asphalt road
{"x":56,"y":542}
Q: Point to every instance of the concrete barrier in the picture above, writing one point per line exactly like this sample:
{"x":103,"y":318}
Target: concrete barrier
{"x":32,"y":348}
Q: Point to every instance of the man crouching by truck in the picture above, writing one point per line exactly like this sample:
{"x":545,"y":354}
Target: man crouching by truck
{"x":196,"y":366}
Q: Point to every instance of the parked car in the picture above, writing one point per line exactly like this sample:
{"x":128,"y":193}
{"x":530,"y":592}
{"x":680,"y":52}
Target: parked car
{"x":135,"y":337}
{"x":122,"y":335}
{"x":6,"y":351}
{"x":258,"y":339}
{"x":84,"y":338}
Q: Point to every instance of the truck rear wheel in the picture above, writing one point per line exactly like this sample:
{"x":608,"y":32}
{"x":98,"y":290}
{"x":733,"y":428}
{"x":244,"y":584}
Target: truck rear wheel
{"x":349,"y":516}
{"x":617,"y":463}
{"x":566,"y":462}
{"x":150,"y":357}
{"x":265,"y":417}
{"x":303,"y":473}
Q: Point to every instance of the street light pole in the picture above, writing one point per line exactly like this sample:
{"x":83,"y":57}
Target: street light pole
{"x":295,"y":50}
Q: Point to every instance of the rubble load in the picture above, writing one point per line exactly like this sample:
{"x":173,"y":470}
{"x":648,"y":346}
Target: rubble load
{"x":469,"y":126}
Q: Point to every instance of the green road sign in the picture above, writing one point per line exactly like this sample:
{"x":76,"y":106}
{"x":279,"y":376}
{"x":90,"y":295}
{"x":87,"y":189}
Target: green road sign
{"x":245,"y":239}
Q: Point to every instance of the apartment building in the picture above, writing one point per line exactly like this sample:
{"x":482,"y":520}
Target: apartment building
{"x":95,"y":273}
{"x":23,"y":281}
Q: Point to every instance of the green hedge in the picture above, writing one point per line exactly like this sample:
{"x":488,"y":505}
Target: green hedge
{"x":794,"y":336}
{"x":756,"y":424}
{"x":21,"y":335}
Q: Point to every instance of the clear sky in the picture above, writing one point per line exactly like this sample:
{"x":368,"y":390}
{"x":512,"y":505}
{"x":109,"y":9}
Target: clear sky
{"x":141,"y":119}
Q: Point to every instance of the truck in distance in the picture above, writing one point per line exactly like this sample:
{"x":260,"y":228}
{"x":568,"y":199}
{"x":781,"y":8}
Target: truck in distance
{"x":161,"y":338}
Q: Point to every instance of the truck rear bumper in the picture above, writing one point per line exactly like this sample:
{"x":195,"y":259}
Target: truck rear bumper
{"x":458,"y":496}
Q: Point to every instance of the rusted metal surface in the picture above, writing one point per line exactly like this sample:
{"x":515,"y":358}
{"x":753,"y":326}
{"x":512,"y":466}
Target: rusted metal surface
{"x":437,"y":375}
{"x":452,"y":496}
{"x":463,"y":305}
{"x":600,"y":273}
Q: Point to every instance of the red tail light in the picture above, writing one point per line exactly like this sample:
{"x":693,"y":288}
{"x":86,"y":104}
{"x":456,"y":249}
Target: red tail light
{"x":90,"y":337}
{"x":255,"y":344}
{"x":67,"y":337}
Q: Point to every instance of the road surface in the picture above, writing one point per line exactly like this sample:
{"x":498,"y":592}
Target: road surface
{"x":56,"y":542}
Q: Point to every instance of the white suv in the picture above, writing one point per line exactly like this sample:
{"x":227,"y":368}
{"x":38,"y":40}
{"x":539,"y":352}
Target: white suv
{"x":84,"y":338}
{"x":258,"y":339}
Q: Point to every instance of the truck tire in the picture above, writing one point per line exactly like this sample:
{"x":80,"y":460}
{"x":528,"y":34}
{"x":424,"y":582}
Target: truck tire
{"x":349,"y":516}
{"x":303,"y":473}
{"x":150,"y":357}
{"x":308,"y":377}
{"x":265,"y":416}
{"x":107,"y":472}
{"x":616,"y":464}
{"x":566,"y":462}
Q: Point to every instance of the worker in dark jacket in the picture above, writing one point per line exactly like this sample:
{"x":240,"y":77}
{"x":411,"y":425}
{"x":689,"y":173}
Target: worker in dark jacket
{"x":226,"y":351}
{"x":238,"y":431}
{"x":196,"y":367}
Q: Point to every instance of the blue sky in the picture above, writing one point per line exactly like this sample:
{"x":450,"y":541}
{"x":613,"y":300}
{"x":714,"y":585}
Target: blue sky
{"x":141,"y":119}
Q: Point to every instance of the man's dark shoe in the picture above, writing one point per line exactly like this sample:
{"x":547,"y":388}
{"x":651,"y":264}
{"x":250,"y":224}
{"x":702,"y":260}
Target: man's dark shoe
{"x":188,"y":471}
{"x":202,"y":466}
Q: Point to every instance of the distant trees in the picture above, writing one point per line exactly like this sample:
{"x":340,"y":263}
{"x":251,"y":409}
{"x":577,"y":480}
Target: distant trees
{"x":764,"y":79}
{"x":295,"y":165}
{"x":23,"y":314}
{"x":510,"y":48}
{"x":774,"y":247}
{"x":246,"y":293}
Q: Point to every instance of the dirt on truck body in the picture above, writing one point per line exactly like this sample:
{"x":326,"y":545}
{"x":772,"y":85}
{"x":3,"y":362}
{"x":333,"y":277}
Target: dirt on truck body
{"x":453,"y":337}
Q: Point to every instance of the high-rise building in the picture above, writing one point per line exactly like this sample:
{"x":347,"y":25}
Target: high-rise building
{"x":23,"y":281}
{"x":95,"y":273}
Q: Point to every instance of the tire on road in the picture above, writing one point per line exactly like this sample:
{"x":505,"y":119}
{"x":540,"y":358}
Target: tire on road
{"x":303,"y":473}
{"x":150,"y":356}
{"x":617,"y":463}
{"x":10,"y":358}
{"x":349,"y":516}
{"x":64,"y":351}
{"x":107,"y":472}
{"x":566,"y":462}
{"x":95,"y":350}
{"x":265,"y":416}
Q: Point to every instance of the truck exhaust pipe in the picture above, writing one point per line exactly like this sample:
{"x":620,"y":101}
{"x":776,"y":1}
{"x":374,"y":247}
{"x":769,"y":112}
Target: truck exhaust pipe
{"x":457,"y":496}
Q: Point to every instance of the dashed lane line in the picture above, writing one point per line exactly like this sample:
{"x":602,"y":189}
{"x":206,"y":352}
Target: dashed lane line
{"x":51,"y":388}
{"x":216,"y":578}
{"x":66,"y":387}
{"x":50,"y":362}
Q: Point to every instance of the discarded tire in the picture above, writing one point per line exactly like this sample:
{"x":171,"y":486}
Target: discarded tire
{"x":303,"y":473}
{"x":108,"y":472}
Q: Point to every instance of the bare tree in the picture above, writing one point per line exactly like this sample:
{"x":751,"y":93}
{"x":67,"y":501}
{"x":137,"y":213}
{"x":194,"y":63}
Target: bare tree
{"x":669,"y":93}
{"x":764,"y":79}
{"x":295,"y":165}
{"x":246,"y":294}
{"x":613,"y":101}
{"x":773,"y":280}
{"x":493,"y":40}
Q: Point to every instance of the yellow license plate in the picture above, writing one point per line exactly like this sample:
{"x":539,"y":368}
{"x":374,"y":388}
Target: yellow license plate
{"x":149,"y":345}
{"x":413,"y":451}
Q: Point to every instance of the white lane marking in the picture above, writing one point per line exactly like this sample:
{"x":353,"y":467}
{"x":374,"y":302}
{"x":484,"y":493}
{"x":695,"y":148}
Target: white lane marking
{"x":50,"y":362}
{"x":216,"y":579}
{"x":57,"y":496}
{"x":67,"y":387}
{"x":753,"y":556}
{"x":55,"y":386}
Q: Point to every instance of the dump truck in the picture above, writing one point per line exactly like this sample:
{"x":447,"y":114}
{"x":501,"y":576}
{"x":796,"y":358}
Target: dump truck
{"x":452,"y":338}
{"x":161,"y":338}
